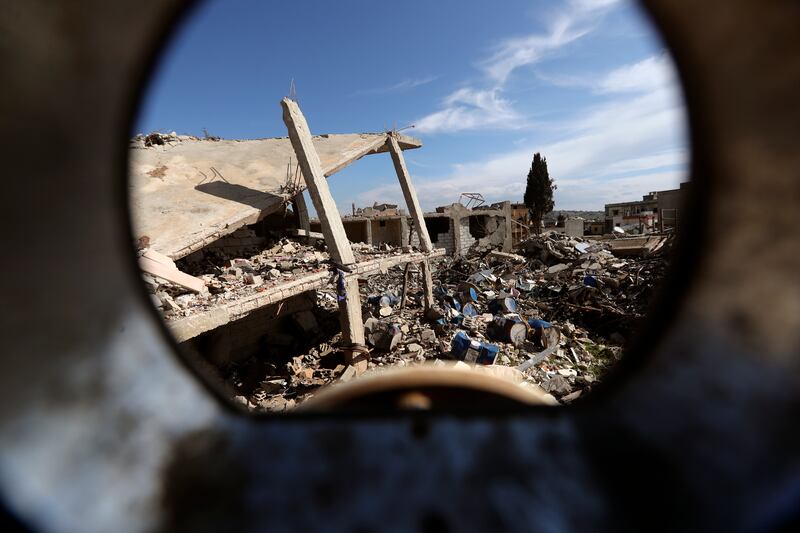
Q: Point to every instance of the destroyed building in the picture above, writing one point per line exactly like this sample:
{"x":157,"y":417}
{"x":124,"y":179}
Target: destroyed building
{"x":271,"y":306}
{"x":454,"y":228}
{"x":656,"y":211}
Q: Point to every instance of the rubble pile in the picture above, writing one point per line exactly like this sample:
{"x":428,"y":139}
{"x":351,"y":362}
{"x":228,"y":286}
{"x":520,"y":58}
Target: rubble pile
{"x":554,"y":316}
{"x":228,"y":277}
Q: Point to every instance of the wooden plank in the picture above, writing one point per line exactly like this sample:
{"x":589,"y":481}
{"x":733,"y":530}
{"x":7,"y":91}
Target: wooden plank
{"x":410,"y":194}
{"x":171,"y":274}
{"x":332,"y":227}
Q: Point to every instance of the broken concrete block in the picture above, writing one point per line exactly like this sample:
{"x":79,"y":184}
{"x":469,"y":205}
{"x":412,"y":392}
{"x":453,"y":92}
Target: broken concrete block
{"x":557,"y":385}
{"x":306,"y":374}
{"x":386,"y":341}
{"x":273,"y":386}
{"x":184,"y":300}
{"x":254,"y":280}
{"x":428,"y":336}
{"x":557,"y":268}
{"x":414,"y":348}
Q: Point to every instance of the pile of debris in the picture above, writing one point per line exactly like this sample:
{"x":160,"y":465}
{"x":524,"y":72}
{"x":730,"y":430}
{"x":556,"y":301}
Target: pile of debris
{"x":554,"y":318}
{"x":229,"y":278}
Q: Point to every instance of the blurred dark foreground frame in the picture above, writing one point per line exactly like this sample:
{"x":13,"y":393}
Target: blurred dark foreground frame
{"x":103,"y":427}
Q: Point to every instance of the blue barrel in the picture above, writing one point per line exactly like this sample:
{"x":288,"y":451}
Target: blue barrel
{"x":469,"y":310}
{"x":460,"y":345}
{"x":488,"y":353}
{"x":536,"y":323}
{"x":503,"y":305}
{"x":466,"y":349}
{"x":511,"y":329}
{"x":467,"y":293}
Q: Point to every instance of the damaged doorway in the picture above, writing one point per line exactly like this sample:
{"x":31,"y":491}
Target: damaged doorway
{"x":238,"y":259}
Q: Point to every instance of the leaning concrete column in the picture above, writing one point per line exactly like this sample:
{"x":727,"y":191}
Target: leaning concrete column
{"x":368,"y":231}
{"x":332,"y":227}
{"x":301,"y":210}
{"x":417,"y":216}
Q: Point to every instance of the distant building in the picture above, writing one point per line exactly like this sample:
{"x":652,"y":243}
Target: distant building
{"x":378,"y":210}
{"x":573,"y":227}
{"x":454,"y":227}
{"x":656,"y":211}
{"x":593,"y":227}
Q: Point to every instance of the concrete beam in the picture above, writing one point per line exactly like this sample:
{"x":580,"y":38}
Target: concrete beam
{"x":368,"y":231}
{"x":417,"y":216}
{"x":410,"y":194}
{"x":186,"y":328}
{"x":331,"y":221}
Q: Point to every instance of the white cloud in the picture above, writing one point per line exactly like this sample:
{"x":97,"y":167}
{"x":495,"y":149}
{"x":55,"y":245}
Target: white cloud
{"x":589,"y":5}
{"x":405,"y":85}
{"x":649,"y":74}
{"x":468,"y":109}
{"x":473,"y":108}
{"x":622,"y":148}
{"x":630,"y":143}
{"x":646,"y":75}
{"x":521,"y":51}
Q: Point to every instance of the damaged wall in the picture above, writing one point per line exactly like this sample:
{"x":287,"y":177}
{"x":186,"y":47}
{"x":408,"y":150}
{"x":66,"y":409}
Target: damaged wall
{"x":265,"y":328}
{"x":388,"y":230}
{"x":440,"y":230}
{"x":356,"y":230}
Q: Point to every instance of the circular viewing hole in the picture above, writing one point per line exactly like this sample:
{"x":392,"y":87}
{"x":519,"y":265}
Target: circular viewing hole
{"x":542,"y":144}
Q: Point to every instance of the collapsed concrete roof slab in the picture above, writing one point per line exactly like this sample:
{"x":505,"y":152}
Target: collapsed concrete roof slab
{"x":190,"y":192}
{"x":191,"y":326}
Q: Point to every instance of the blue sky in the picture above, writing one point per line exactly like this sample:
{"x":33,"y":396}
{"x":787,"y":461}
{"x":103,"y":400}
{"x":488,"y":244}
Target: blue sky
{"x":585,"y":82}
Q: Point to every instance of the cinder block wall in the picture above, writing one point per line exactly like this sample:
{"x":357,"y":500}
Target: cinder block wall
{"x":389,"y":232}
{"x":464,"y":236}
{"x":444,"y":240}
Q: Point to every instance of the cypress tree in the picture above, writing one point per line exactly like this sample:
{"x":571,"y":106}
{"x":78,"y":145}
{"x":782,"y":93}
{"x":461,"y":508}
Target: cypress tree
{"x":539,"y":191}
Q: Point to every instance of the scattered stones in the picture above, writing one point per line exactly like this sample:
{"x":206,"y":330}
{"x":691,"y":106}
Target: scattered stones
{"x":557,"y":385}
{"x":566,"y":295}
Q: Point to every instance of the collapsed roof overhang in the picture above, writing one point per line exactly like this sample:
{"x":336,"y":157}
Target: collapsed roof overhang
{"x":190,"y":192}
